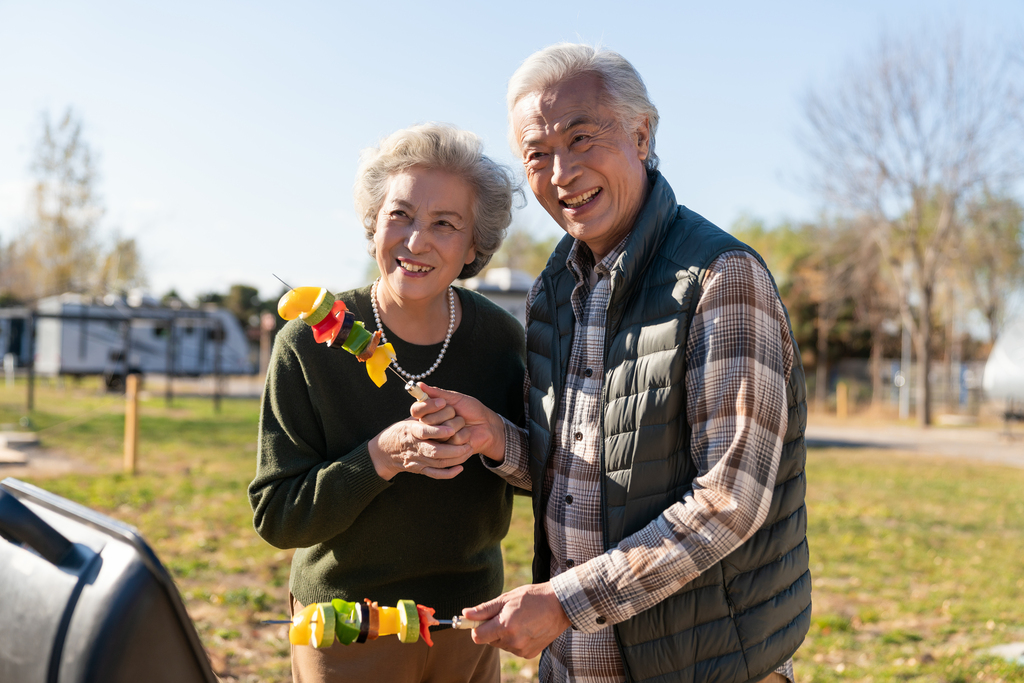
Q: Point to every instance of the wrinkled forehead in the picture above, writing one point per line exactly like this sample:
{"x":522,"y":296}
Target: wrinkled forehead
{"x":559,"y":108}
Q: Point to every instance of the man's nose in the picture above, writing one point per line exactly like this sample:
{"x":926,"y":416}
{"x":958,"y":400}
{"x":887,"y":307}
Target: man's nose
{"x":564,"y":169}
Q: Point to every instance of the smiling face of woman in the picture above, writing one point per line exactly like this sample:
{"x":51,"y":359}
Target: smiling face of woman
{"x":424,"y":236}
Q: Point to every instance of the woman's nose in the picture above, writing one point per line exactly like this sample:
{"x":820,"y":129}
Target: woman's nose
{"x":418,"y":239}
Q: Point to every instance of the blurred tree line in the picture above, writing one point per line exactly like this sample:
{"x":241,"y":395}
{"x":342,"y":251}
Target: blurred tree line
{"x":59,"y":250}
{"x":837,"y":288}
{"x":917,"y":151}
{"x":245,"y":303}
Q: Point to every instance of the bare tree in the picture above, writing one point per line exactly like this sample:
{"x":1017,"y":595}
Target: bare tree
{"x":121,"y":268}
{"x":906,"y":137}
{"x":58,"y":252}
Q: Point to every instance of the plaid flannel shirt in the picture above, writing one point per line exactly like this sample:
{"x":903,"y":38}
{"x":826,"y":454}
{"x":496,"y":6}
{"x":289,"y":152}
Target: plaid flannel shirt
{"x":738,"y":359}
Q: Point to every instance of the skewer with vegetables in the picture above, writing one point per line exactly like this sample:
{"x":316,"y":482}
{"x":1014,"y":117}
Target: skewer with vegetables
{"x":322,"y":624}
{"x":331,"y":321}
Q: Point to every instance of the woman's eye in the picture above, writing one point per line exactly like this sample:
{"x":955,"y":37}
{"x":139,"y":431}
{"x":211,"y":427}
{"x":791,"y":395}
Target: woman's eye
{"x":398,"y":213}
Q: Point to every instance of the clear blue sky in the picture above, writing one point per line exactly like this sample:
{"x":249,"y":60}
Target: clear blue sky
{"x":228,"y":133}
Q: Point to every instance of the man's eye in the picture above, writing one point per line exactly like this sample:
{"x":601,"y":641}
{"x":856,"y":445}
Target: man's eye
{"x":535,"y":156}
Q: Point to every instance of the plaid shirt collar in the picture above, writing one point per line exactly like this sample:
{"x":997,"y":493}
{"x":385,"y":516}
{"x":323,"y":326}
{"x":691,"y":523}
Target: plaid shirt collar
{"x":580,"y":262}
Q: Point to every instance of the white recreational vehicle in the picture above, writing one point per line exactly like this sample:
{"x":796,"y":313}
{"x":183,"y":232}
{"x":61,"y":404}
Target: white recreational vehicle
{"x":75,"y":335}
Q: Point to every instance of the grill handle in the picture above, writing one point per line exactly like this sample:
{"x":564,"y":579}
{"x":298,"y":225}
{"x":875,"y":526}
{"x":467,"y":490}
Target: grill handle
{"x":18,"y":524}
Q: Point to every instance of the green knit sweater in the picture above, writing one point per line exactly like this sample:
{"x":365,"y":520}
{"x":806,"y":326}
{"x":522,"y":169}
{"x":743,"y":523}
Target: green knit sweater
{"x":358,"y":536}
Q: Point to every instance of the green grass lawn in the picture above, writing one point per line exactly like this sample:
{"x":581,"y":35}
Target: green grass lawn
{"x":918,"y":563}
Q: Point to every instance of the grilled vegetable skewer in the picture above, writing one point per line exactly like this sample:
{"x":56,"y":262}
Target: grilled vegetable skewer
{"x":321,"y":624}
{"x":331,"y":321}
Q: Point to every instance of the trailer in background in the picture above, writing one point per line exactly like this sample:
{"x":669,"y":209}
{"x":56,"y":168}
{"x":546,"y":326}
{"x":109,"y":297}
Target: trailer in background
{"x":75,"y":335}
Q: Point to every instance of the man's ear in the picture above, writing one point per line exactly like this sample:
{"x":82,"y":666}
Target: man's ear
{"x":643,"y":138}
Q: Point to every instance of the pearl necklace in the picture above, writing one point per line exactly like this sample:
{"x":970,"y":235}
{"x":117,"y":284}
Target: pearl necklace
{"x":447,"y":338}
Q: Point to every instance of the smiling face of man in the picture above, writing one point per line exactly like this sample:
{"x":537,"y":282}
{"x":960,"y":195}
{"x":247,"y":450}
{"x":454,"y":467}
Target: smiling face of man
{"x":583,"y":166}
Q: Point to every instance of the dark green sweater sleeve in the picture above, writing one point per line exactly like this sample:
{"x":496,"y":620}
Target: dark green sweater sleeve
{"x":295,"y":471}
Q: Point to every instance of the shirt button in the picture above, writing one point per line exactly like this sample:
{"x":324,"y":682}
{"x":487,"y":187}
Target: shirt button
{"x":579,"y":436}
{"x":570,"y":564}
{"x":568,"y":500}
{"x":589,"y":372}
{"x":601,"y":620}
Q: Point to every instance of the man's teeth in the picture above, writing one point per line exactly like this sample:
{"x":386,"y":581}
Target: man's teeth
{"x":413,"y":268}
{"x":581,"y":200}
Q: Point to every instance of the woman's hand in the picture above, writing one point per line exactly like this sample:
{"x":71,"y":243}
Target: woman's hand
{"x":413,"y":446}
{"x":475,"y":424}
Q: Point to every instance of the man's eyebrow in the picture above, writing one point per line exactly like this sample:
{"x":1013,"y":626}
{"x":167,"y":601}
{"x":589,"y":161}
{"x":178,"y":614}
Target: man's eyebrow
{"x":530,"y":142}
{"x":575,"y":122}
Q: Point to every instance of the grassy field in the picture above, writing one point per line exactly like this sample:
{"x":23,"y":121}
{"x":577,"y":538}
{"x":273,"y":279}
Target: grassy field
{"x":918,"y":563}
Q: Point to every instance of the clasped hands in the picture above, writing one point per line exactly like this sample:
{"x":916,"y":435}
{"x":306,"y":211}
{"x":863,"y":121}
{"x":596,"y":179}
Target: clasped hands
{"x":434,"y":441}
{"x":441,"y":434}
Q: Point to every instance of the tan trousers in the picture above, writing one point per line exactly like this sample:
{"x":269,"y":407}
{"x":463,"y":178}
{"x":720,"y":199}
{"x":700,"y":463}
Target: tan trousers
{"x":455,"y":658}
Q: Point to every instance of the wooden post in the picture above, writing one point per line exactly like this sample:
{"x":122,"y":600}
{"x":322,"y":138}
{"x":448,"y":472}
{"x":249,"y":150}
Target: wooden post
{"x":131,"y":421}
{"x":31,"y":323}
{"x":842,"y":397}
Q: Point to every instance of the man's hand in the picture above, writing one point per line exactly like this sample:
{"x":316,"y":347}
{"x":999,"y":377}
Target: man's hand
{"x":523,"y":621}
{"x":475,"y":423}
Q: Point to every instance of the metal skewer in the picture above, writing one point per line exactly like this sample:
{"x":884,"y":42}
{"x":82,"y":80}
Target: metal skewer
{"x":283,"y":282}
{"x":460,"y":623}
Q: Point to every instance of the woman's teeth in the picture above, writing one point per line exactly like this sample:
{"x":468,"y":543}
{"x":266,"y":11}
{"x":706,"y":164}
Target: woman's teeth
{"x":576,"y":202}
{"x":413,"y":268}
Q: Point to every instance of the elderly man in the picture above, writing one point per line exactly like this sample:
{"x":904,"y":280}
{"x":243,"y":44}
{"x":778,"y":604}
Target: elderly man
{"x":666,"y":412}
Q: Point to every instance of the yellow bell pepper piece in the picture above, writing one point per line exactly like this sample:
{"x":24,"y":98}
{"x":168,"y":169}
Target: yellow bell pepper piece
{"x":297,"y":301}
{"x":378,"y":364}
{"x":299,"y":632}
{"x":389,"y":621}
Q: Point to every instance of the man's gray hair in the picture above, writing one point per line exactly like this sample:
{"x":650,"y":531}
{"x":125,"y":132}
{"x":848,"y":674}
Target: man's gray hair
{"x":562,"y":62}
{"x":444,"y":148}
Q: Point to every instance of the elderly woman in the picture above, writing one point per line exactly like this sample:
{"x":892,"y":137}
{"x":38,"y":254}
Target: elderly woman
{"x":376,"y":503}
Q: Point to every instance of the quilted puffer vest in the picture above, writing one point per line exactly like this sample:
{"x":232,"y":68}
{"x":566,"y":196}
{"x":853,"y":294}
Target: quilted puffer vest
{"x":747,"y":614}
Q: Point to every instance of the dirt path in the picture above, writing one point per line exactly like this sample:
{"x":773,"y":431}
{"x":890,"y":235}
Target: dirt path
{"x":42,"y":463}
{"x":982,"y":444}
